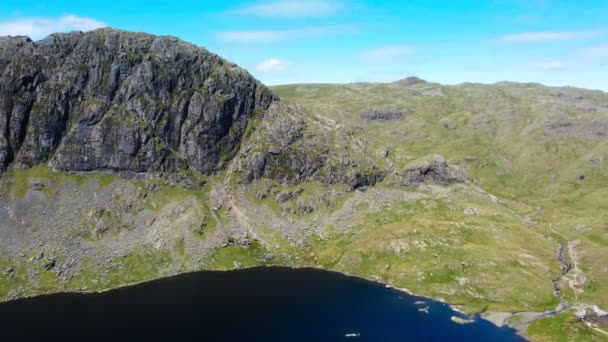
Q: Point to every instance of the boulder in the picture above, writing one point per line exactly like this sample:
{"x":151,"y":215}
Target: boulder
{"x":386,"y":113}
{"x":49,"y":264}
{"x":434,"y":169}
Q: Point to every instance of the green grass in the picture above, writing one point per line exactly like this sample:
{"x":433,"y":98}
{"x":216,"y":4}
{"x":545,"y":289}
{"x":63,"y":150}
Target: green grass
{"x":326,"y":199}
{"x":170,"y":195}
{"x":105,"y":180}
{"x":23,"y":178}
{"x":501,"y":136}
{"x":18,"y":280}
{"x":506,"y":129}
{"x":436,"y":240}
{"x":143,"y":264}
{"x":564,"y":327}
{"x":234,"y":257}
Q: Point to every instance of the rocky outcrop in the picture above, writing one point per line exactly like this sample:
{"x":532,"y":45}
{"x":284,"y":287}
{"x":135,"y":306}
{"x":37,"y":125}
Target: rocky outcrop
{"x":386,"y":113}
{"x":121,"y":101}
{"x":134,"y":103}
{"x":434,"y":169}
{"x":289,"y":148}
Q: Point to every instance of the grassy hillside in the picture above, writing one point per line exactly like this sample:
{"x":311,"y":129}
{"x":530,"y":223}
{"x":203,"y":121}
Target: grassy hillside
{"x":542,"y":151}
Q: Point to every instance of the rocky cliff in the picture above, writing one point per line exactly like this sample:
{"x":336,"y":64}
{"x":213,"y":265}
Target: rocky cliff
{"x":121,"y":101}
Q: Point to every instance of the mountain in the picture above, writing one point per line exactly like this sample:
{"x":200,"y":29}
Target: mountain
{"x":127,"y":157}
{"x":119,"y":101}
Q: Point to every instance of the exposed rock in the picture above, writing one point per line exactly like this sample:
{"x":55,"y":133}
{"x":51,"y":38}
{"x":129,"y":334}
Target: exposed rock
{"x":255,"y":168}
{"x":382,"y":153}
{"x":557,"y":125}
{"x":305,"y":207}
{"x":398,"y":246}
{"x":39,"y":184}
{"x":288,"y":195}
{"x":597,"y":160}
{"x":289,"y":149}
{"x":531,"y":223}
{"x":121,"y":101}
{"x":581,"y":228}
{"x":49,"y":264}
{"x":356,"y":179}
{"x":37,"y":257}
{"x":472,"y":211}
{"x":386,"y":113}
{"x":433,"y":170}
{"x":587,"y":130}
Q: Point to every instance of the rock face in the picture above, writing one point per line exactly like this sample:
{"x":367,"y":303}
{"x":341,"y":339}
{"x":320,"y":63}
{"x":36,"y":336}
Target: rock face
{"x":386,"y":113}
{"x":290,"y":149}
{"x":433,"y":170}
{"x":121,"y":101}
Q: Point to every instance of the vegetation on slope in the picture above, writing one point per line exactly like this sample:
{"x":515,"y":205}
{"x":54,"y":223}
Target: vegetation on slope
{"x":542,"y":151}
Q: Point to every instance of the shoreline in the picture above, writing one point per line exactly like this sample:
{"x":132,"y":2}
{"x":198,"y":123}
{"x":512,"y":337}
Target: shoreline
{"x":499,"y":319}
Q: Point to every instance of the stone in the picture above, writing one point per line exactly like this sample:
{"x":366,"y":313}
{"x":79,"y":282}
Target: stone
{"x":121,"y":101}
{"x":49,"y":264}
{"x":434,"y":169}
{"x":472,"y":211}
{"x":597,"y":160}
{"x":386,"y":113}
{"x":290,"y":150}
{"x":286,"y":196}
{"x":581,"y":228}
{"x":305,"y":207}
{"x":38,"y":256}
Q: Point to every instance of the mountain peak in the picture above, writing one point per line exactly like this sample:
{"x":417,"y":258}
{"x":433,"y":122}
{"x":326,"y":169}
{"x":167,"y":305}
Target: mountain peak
{"x":412,"y":80}
{"x":122,"y":101}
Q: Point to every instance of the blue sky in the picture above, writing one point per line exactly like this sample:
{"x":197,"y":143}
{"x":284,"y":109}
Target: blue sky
{"x":556,"y":42}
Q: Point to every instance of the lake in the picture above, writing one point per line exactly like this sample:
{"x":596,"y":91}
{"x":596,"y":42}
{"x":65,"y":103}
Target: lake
{"x":258,"y":304}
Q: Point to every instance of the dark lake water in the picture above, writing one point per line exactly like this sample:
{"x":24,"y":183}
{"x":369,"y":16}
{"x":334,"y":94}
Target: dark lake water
{"x":260,"y":304}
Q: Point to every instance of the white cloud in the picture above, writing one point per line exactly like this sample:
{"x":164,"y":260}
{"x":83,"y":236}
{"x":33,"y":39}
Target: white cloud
{"x":582,"y":57}
{"x":548,"y":36}
{"x":555,"y":65}
{"x":272,"y":65}
{"x":39,"y":27}
{"x":596,"y":52}
{"x":265,"y":36}
{"x":391,"y":53}
{"x":290,"y":8}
